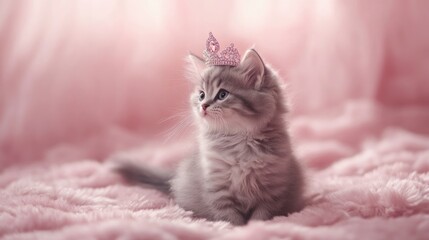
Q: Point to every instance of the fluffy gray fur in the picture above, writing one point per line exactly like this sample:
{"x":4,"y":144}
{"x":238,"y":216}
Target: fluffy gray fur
{"x":244,"y":168}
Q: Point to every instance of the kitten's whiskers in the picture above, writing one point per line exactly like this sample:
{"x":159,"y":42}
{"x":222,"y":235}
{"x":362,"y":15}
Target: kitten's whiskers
{"x":178,"y":128}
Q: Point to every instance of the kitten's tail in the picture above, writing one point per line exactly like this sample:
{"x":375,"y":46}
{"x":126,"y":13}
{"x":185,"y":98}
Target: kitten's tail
{"x":153,"y":178}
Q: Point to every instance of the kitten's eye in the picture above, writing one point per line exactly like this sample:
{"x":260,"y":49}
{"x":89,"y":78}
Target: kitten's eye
{"x":202,"y":95}
{"x":222,"y":94}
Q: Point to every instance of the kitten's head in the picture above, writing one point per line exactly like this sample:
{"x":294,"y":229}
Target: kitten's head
{"x":234,"y":99}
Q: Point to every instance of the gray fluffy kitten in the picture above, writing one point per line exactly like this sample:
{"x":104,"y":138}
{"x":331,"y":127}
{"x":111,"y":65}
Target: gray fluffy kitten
{"x":244,"y":168}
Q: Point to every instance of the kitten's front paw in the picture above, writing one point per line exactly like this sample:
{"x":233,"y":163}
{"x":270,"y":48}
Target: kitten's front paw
{"x":237,"y":221}
{"x":232,"y":216}
{"x":261,"y":213}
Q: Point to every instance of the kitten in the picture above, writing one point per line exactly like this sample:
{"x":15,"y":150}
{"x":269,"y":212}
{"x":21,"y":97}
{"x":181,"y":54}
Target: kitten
{"x":244,"y":168}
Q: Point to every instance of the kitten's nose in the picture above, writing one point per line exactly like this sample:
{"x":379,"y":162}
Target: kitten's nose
{"x":205,"y":106}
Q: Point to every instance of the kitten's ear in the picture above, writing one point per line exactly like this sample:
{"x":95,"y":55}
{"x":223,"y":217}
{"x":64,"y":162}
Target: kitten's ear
{"x":253,"y":67}
{"x":196,"y":66}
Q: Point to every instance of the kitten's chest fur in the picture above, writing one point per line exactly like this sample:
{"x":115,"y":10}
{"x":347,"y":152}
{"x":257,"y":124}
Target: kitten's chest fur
{"x":239,"y":164}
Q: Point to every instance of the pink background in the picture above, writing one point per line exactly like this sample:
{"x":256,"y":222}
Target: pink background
{"x":103,"y":75}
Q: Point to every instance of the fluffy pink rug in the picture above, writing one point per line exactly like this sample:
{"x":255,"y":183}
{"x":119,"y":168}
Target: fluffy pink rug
{"x":367,"y":179}
{"x":84,"y":82}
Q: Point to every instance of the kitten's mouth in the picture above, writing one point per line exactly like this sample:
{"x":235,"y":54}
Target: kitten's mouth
{"x":204,"y":113}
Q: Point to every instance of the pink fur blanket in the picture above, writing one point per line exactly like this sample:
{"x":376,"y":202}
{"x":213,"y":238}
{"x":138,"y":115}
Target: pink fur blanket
{"x":83,"y":83}
{"x":367,"y":179}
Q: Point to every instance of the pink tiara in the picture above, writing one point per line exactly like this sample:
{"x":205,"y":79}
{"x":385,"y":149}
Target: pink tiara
{"x":228,"y":57}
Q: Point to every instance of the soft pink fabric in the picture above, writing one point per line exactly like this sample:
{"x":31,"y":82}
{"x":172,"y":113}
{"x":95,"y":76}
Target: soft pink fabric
{"x":82,"y":82}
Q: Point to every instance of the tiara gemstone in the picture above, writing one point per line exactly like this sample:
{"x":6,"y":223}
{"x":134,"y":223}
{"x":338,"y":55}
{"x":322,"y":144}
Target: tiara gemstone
{"x":228,"y":57}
